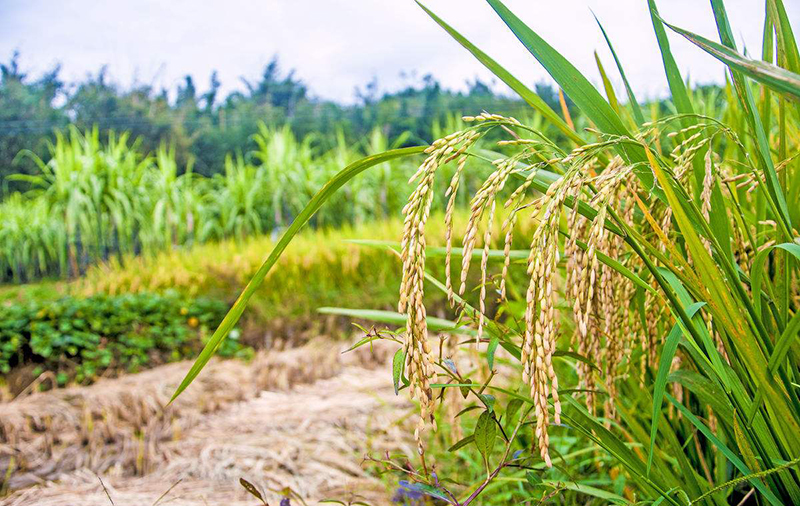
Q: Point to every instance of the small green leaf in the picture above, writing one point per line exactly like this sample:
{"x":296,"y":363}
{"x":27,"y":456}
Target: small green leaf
{"x":490,"y":351}
{"x":485,"y":434}
{"x":398,"y":362}
{"x":533,"y":479}
{"x":461,"y":444}
{"x":252,"y":490}
{"x":512,"y":408}
{"x":489,"y":400}
{"x":467,"y":410}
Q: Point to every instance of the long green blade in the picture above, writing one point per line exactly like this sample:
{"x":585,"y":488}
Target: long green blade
{"x":775,"y":77}
{"x":515,"y":84}
{"x":667,"y":353}
{"x":393,"y":318}
{"x":786,"y":41}
{"x":579,"y":89}
{"x":312,"y":207}
{"x":732,"y":457}
{"x":637,"y":110}
{"x":680,"y":97}
{"x":754,"y":119}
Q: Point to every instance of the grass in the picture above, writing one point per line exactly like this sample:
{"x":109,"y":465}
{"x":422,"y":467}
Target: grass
{"x":662,"y":276}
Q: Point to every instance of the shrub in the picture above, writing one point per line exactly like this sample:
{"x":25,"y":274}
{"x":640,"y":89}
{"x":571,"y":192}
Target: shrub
{"x":82,"y":338}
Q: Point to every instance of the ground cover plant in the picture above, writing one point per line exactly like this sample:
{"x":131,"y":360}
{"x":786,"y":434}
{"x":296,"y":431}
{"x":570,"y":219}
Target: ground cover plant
{"x":80,"y":339}
{"x":657,"y":326}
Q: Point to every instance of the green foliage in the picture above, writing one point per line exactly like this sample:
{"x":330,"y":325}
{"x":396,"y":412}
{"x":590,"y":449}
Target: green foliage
{"x":206,"y":128}
{"x":686,"y":226}
{"x":97,"y":201}
{"x":83,"y":338}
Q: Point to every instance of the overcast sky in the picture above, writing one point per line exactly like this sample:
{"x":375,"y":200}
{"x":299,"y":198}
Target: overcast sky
{"x":336,"y":45}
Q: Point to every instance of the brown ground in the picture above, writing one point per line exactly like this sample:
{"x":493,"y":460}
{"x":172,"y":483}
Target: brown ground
{"x":302,"y":418}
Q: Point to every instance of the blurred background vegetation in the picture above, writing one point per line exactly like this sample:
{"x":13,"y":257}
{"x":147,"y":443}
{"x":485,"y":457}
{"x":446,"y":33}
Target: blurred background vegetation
{"x":206,"y":127}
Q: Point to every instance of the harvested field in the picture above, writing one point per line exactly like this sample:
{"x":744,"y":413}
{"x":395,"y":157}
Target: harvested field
{"x":239,"y":420}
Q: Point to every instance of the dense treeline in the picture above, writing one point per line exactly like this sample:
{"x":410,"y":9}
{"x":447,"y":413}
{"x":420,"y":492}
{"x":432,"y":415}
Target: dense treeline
{"x":206,"y":127}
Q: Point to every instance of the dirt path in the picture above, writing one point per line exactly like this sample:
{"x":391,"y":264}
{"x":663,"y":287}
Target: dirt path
{"x":311,"y":437}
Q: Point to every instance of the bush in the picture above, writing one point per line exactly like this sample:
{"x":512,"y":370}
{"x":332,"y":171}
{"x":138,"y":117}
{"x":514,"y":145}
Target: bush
{"x":81,"y":338}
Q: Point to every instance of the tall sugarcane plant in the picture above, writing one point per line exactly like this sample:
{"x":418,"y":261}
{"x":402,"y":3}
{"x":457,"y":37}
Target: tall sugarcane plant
{"x":653,"y":313}
{"x":97,"y":196}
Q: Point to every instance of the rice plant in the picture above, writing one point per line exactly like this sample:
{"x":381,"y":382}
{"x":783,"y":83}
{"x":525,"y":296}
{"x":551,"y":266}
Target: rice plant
{"x":657,"y":317}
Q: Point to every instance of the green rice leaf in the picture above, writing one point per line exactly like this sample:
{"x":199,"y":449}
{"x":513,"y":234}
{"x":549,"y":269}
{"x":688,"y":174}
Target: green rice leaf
{"x":632,"y":102}
{"x":706,"y":391}
{"x":757,"y":271}
{"x":787,"y":338}
{"x":438,"y":252}
{"x":610,"y":94}
{"x":585,"y":423}
{"x":718,"y":219}
{"x":574,"y":84}
{"x":727,"y":452}
{"x":515,"y":84}
{"x":680,"y":97}
{"x":331,"y":187}
{"x":783,"y":29}
{"x":777,"y":78}
{"x":393,"y":318}
{"x":667,"y":353}
{"x":744,"y":446}
{"x":777,"y":199}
